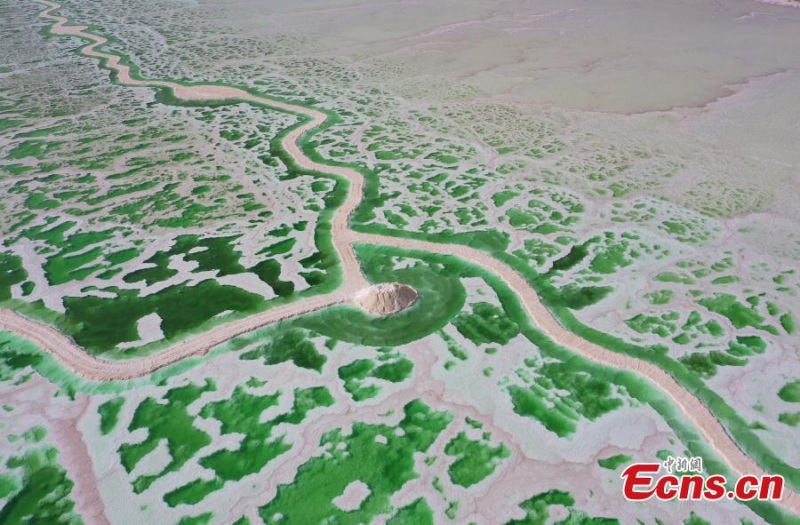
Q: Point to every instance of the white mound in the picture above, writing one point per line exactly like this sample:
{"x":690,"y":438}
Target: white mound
{"x":386,"y":298}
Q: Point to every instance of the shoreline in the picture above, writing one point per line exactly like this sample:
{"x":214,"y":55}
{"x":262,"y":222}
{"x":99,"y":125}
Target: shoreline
{"x":784,"y":3}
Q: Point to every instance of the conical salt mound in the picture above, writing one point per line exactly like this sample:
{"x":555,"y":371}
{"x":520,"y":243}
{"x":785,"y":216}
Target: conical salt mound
{"x":386,"y":298}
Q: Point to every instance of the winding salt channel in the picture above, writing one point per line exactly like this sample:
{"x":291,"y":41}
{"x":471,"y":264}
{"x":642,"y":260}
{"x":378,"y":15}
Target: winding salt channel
{"x":86,"y":365}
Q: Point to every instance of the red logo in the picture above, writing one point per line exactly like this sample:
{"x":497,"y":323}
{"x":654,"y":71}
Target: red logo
{"x":640,"y":482}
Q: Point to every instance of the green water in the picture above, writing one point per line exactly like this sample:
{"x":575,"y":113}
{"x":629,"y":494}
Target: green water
{"x":109,"y":414}
{"x":288,"y":345}
{"x":475,"y":459}
{"x":44,"y":496}
{"x":790,"y":392}
{"x":240,"y":414}
{"x":170,"y":422}
{"x":102,"y":323}
{"x":486,"y":324}
{"x":613,"y":462}
{"x":383,"y":467}
{"x":417,"y":512}
{"x":537,"y":511}
{"x":389,"y":367}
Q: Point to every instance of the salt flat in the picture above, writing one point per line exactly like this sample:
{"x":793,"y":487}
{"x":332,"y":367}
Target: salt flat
{"x":631,"y":165}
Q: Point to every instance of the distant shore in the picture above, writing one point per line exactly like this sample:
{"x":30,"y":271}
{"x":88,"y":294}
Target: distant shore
{"x":787,"y":3}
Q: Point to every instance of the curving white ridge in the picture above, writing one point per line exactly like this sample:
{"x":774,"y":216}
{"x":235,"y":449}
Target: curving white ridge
{"x":355,"y":287}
